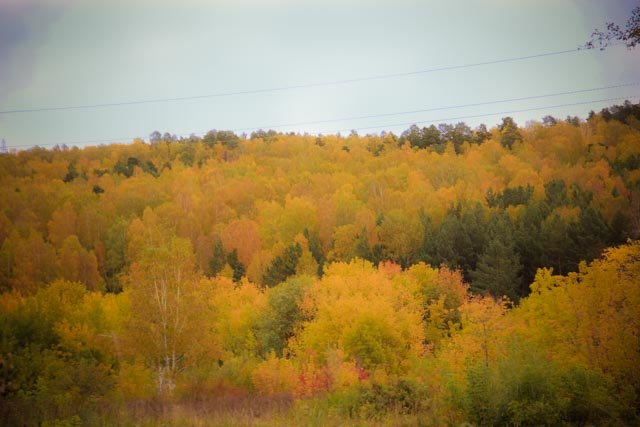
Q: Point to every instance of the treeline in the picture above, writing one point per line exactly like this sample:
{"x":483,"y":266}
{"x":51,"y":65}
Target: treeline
{"x":270,"y":204}
{"x":357,"y":275}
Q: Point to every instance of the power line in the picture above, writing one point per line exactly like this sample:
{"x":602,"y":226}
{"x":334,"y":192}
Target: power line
{"x":449,"y":119}
{"x":291,"y":87}
{"x":113,"y":140}
{"x":451,"y":107}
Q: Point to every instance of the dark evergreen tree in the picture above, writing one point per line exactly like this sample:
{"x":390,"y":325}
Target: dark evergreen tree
{"x":456,"y":134}
{"x":431,"y":136}
{"x":556,"y":193}
{"x":549,"y":121}
{"x":480,"y":134}
{"x":498,"y":269}
{"x":529,"y":242}
{"x":315,"y":247}
{"x":115,"y":243}
{"x":236,"y":265}
{"x":72,"y":173}
{"x":511,"y":196}
{"x":457,"y":242}
{"x":509,"y":133}
{"x":283,"y":266}
{"x":218,"y":259}
{"x":557,"y":245}
{"x":362,"y":246}
{"x":590,"y":235}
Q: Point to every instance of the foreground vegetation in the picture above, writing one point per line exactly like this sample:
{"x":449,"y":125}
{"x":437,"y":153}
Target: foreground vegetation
{"x":448,"y":275}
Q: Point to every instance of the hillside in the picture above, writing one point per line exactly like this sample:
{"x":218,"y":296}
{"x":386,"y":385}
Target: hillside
{"x":440,"y":276}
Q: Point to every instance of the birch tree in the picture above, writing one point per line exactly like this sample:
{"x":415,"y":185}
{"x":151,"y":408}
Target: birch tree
{"x":165,"y":305}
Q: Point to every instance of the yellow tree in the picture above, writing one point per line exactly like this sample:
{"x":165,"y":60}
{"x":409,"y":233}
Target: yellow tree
{"x":27,"y":263}
{"x":590,"y":317}
{"x":235,"y":310}
{"x":79,"y":265}
{"x":63,"y":223}
{"x":166,"y":307}
{"x":375,"y":320}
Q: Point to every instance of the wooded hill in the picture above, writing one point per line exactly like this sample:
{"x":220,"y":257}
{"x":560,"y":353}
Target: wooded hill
{"x":364,"y":275}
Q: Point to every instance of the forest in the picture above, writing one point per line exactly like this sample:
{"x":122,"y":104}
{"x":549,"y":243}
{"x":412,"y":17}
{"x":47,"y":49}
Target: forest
{"x":446,"y":275}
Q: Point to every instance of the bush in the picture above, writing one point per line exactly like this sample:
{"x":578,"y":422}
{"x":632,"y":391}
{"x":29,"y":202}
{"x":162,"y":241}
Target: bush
{"x":376,"y":400}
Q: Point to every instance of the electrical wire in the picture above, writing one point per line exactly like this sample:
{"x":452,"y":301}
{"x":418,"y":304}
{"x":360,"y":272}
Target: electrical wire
{"x":451,"y":107}
{"x":446,"y":119}
{"x":450,"y":119}
{"x":290,"y":87}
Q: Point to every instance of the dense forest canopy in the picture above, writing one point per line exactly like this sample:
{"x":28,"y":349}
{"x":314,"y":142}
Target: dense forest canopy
{"x":453,"y":271}
{"x":550,"y":194}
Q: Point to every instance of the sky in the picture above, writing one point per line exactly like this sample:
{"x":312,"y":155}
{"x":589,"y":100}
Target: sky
{"x":69,"y":53}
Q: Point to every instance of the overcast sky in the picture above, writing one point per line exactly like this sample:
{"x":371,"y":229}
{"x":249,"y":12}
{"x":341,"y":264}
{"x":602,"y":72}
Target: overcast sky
{"x":60,"y":53}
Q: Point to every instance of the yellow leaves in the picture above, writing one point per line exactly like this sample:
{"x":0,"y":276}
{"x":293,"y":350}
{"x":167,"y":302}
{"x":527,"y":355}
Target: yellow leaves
{"x":435,"y":324}
{"x":544,"y":281}
{"x":484,"y":311}
{"x":510,"y":165}
{"x":74,"y":336}
{"x":587,"y":318}
{"x":481,"y":340}
{"x":143,"y":232}
{"x":135,"y":381}
{"x":168,"y":312}
{"x":344,"y":241}
{"x":402,"y":235}
{"x":260,"y":262}
{"x":227,"y":271}
{"x":344,"y":373}
{"x":307,"y":265}
{"x":274,"y":376}
{"x":605,"y":296}
{"x":360,"y":311}
{"x":280,"y":224}
{"x":235,"y":308}
{"x":624,"y":259}
{"x":442,"y":291}
{"x":82,"y":321}
{"x":116,"y":309}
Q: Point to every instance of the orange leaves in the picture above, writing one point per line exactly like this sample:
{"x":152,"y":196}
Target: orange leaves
{"x":482,"y":311}
{"x":274,"y":376}
{"x":242,"y":235}
{"x":79,"y":265}
{"x":63,"y":223}
{"x":312,"y":379}
{"x":306,"y":378}
{"x":27,"y":262}
{"x":345,"y":238}
{"x":159,"y":231}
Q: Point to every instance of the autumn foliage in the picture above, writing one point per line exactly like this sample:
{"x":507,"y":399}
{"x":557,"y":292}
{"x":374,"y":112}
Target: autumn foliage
{"x":448,"y":274}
